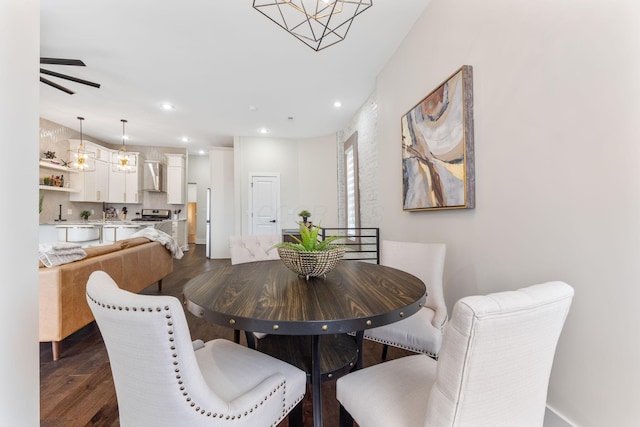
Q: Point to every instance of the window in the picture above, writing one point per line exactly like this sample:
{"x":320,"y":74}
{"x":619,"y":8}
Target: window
{"x":352,"y":193}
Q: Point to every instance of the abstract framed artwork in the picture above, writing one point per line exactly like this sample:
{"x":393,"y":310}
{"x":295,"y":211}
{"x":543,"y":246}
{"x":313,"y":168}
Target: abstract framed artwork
{"x":437,"y":147}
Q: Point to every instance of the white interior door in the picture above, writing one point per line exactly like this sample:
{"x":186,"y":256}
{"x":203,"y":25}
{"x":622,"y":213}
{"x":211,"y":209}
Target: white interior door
{"x":264,"y":202}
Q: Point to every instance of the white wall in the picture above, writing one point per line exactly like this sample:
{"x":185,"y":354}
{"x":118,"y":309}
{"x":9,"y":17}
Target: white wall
{"x":365,"y":123}
{"x":557,"y":93}
{"x":318,"y":181}
{"x":19,"y":52}
{"x":308,"y":176}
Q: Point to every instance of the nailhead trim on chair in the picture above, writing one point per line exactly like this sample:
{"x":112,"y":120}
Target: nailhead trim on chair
{"x":405,"y":347}
{"x":179,"y":377}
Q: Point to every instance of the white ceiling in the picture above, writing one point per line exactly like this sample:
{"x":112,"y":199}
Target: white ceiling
{"x":212,"y":60}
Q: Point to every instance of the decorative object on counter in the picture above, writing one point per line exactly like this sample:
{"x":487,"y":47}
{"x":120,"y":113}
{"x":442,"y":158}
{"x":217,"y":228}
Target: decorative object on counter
{"x":49,"y":155}
{"x":110,"y":213}
{"x":81,"y":159}
{"x":317,"y":23}
{"x":124,"y":161}
{"x":85,"y":215}
{"x":307,"y":256}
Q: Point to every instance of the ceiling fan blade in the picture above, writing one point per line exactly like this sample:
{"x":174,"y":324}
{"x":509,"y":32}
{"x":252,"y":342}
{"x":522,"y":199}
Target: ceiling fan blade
{"x":66,"y":77}
{"x":57,"y":86}
{"x":61,"y":61}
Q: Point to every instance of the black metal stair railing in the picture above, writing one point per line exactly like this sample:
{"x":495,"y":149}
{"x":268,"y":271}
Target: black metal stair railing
{"x":363,"y":243}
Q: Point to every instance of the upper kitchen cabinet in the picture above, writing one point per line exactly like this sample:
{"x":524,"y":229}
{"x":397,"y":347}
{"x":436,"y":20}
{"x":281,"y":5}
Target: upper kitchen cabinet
{"x":125,"y":185}
{"x":91,"y":185}
{"x":175,"y":179}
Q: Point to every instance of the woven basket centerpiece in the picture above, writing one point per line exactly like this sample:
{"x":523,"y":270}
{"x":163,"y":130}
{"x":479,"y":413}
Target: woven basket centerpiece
{"x":311,"y":263}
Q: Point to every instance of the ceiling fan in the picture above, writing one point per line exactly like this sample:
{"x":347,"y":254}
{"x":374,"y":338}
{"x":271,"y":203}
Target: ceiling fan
{"x":60,"y":61}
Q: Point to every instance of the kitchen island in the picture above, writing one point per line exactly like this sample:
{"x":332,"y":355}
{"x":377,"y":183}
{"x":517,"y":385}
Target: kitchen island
{"x":92,"y":233}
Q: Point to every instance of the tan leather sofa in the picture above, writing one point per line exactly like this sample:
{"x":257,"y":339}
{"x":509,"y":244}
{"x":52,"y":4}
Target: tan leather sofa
{"x":134,"y":264}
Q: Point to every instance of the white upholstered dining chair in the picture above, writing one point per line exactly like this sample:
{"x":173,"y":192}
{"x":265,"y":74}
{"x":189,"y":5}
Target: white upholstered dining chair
{"x":245,"y":249}
{"x":421,"y":332}
{"x":162,"y":378}
{"x":493,"y":368}
{"x":253,"y":248}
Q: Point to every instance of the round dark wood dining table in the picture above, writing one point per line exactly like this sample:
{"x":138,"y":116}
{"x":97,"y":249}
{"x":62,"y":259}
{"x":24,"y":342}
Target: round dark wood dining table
{"x":267,"y":297}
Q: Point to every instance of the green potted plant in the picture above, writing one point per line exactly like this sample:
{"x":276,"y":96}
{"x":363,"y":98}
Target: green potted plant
{"x":305,"y":214}
{"x":85,"y":215}
{"x":307,"y":256}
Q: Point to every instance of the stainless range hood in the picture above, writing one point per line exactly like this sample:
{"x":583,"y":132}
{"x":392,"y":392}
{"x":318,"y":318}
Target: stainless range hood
{"x":153,"y":176}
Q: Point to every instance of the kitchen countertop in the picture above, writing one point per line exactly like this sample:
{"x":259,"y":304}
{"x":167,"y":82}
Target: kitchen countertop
{"x":90,"y":223}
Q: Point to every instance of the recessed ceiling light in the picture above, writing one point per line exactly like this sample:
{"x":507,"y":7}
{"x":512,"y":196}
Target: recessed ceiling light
{"x":263,"y":131}
{"x":185,"y":139}
{"x":167,"y":106}
{"x":253,"y":107}
{"x":337,"y":104}
{"x":201,"y":152}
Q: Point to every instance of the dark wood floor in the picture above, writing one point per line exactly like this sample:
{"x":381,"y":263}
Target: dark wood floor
{"x":78,"y":390}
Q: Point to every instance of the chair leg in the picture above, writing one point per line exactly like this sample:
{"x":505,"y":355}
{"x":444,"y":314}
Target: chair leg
{"x":295,"y":416}
{"x":385,"y":347}
{"x":251,"y":340}
{"x":236,"y":336}
{"x":160,"y":286}
{"x":346,"y":420}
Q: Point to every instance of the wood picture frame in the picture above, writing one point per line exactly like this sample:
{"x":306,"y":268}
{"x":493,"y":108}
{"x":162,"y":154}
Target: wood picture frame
{"x":437,"y":147}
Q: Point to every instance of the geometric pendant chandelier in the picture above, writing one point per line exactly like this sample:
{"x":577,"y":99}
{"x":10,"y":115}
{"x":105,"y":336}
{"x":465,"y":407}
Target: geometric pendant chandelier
{"x":317,"y":23}
{"x":125,"y":162}
{"x":80,"y":158}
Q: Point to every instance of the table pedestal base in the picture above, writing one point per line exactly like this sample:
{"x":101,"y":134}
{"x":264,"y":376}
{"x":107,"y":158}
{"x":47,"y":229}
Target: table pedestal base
{"x":338,"y":354}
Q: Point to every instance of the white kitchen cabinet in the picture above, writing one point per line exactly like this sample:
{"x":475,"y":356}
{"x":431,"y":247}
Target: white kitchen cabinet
{"x":47,"y":233}
{"x":175,"y":179}
{"x":83,"y":234}
{"x":179,"y":233}
{"x":124,"y":187}
{"x":114,"y":232}
{"x":91,"y":186}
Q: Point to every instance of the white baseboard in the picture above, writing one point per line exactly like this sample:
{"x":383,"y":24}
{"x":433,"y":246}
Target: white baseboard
{"x":554,"y":419}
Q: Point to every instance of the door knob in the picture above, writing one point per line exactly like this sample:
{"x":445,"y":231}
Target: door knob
{"x":273,"y":220}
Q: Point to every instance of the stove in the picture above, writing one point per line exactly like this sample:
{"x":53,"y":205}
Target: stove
{"x":154,"y":215}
